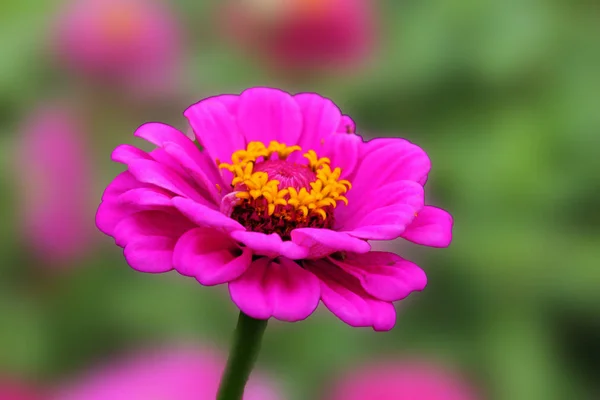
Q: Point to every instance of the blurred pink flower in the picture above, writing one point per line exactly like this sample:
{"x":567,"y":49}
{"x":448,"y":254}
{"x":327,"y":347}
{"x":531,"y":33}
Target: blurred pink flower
{"x":131,"y":42}
{"x":416,"y":380}
{"x":288,"y":222}
{"x":181,"y":374}
{"x":299,"y":34}
{"x":54,"y":172}
{"x":11,"y":389}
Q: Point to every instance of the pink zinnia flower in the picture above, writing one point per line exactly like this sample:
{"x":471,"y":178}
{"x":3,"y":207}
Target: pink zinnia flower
{"x":280,"y":204}
{"x":55,"y":177}
{"x":181,"y":374}
{"x":132,"y":42}
{"x":304,"y":33}
{"x":416,"y":380}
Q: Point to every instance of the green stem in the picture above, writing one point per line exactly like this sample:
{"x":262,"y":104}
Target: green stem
{"x":244,"y":352}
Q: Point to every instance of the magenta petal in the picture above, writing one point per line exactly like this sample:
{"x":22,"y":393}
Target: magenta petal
{"x":346,"y":125}
{"x":266,"y":114}
{"x":206,"y":181}
{"x":210,"y":256}
{"x":215,"y":128}
{"x":158,"y":134}
{"x":279,"y":289}
{"x":432,"y":227}
{"x":204,"y":216}
{"x":125,"y":153}
{"x":344,"y":297}
{"x":154,"y":173}
{"x":161,"y":135}
{"x":122,"y":183}
{"x":145,"y":197}
{"x":322,"y":242}
{"x":344,"y":151}
{"x":143,"y":224}
{"x":385,"y":214}
{"x":321,"y":118}
{"x":385,"y":223}
{"x":389,"y":160}
{"x":153,"y":254}
{"x":149,"y":237}
{"x":109,"y":214}
{"x":270,"y":245}
{"x":124,"y":196}
{"x":385,"y":276}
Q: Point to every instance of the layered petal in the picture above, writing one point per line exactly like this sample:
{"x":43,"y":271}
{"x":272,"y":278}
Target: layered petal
{"x":155,"y":173}
{"x":344,"y":151}
{"x":385,"y":214}
{"x":270,"y":245}
{"x":116,"y":205}
{"x":385,"y":276}
{"x":321,"y":117}
{"x":343,"y":295}
{"x":276,"y":288}
{"x":149,"y":237}
{"x":266,"y":114}
{"x":216,"y":128}
{"x":388,"y":160}
{"x":322,"y":242}
{"x":432,"y":227}
{"x":187,"y":155}
{"x":347,"y":125}
{"x":210,"y":256}
{"x":205,"y":216}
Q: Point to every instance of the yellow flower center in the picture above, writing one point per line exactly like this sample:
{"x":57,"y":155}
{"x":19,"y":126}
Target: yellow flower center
{"x":276,"y":195}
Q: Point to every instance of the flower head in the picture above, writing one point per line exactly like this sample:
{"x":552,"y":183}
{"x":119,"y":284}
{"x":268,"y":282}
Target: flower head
{"x":132,"y":42}
{"x":304,"y":33}
{"x":280,"y":204}
{"x":409,"y":380}
{"x":178,"y":373}
{"x":55,"y":181}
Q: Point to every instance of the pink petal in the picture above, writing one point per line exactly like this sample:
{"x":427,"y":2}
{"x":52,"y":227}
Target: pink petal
{"x":205,"y":216}
{"x":144,"y":224}
{"x":111,"y":211}
{"x":385,"y":223}
{"x":149,"y":237}
{"x":109,"y":214}
{"x":206,"y":180}
{"x":215,"y":128}
{"x":145,"y":197}
{"x":210,"y":256}
{"x":270,"y":245}
{"x":322,"y":242}
{"x":346,"y":125}
{"x":344,"y":297}
{"x":126,"y":153}
{"x":230,"y":101}
{"x":279,"y":289}
{"x":122,"y":182}
{"x":385,"y":276}
{"x":153,"y":254}
{"x":385,"y":214}
{"x":321,"y":118}
{"x":266,"y":114}
{"x":161,"y":134}
{"x":344,"y":151}
{"x":158,"y":134}
{"x":389,"y":160}
{"x":432,"y":227}
{"x":154,"y":173}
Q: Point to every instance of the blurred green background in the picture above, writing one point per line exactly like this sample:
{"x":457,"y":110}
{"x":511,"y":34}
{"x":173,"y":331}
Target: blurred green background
{"x":503,"y":95}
